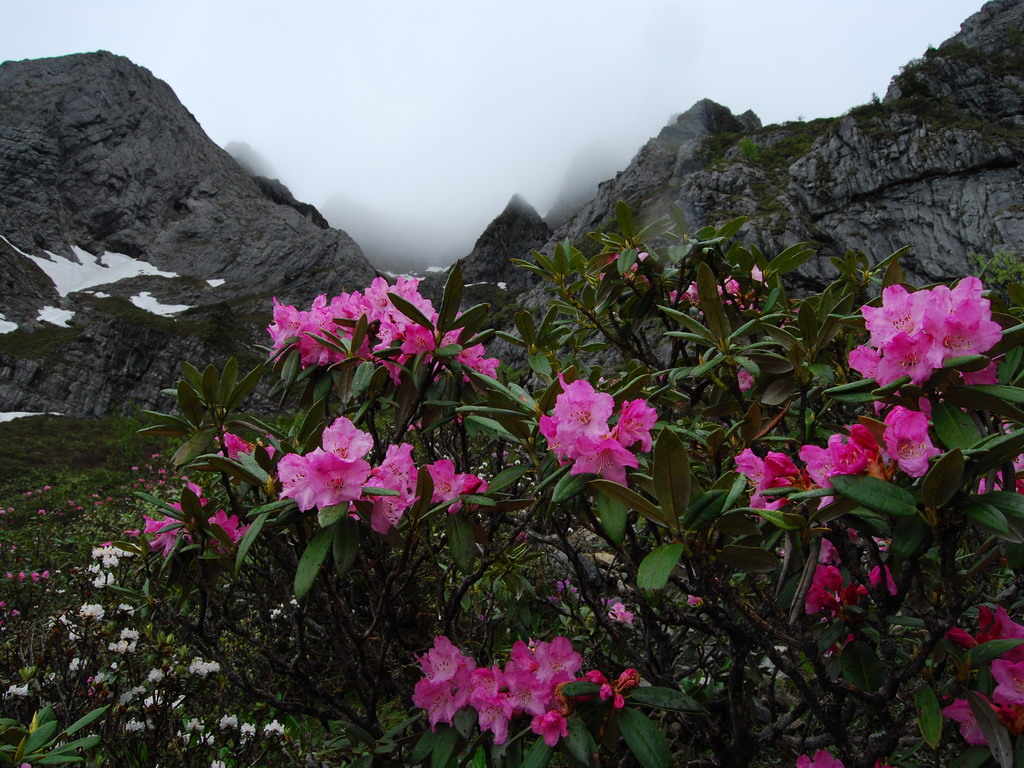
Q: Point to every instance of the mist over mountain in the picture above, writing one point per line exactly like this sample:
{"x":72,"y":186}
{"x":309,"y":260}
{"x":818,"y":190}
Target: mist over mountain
{"x":129,"y":240}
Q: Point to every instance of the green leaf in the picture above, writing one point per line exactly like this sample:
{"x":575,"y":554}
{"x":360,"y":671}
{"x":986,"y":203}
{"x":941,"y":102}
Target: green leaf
{"x":249,"y":539}
{"x":345,"y":544}
{"x":451,"y":299}
{"x":875,"y":494}
{"x":992,"y":729}
{"x":310,"y":562}
{"x":955,"y":428}
{"x":861,"y":666}
{"x":631,"y":499}
{"x":192,"y":448}
{"x":425,"y":745}
{"x":444,"y":745}
{"x":40,"y":736}
{"x":943,"y":479}
{"x":410,"y":310}
{"x":624,"y":218}
{"x":752,"y":559}
{"x":581,"y":688}
{"x":789,"y":259}
{"x":908,"y":535}
{"x":671,"y":476}
{"x":460,"y":541}
{"x":665,"y":698}
{"x":711,"y":304}
{"x":980,"y":655}
{"x":85,"y":720}
{"x":929,"y":718}
{"x":644,"y":739}
{"x":986,"y":515}
{"x":328,"y":516}
{"x":613,"y":516}
{"x":657,"y":566}
{"x":538,"y":756}
{"x":579,"y":741}
{"x":568,"y":487}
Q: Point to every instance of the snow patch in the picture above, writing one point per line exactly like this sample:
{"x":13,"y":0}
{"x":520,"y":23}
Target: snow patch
{"x":12,"y":415}
{"x":55,"y":316}
{"x":6,"y":326}
{"x":436,"y":269}
{"x":503,"y":286}
{"x":216,"y":282}
{"x":146,"y":301}
{"x":69,"y":276}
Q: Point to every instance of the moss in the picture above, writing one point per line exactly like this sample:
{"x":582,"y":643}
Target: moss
{"x":39,"y":344}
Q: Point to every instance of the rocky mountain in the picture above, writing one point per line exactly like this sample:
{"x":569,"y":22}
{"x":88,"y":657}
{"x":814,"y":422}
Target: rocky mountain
{"x":936,"y":164}
{"x":103,"y":175}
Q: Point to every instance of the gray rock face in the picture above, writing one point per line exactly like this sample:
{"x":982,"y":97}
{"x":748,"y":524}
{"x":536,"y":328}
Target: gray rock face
{"x":512,"y":235}
{"x":937,"y":165}
{"x":98,"y":153}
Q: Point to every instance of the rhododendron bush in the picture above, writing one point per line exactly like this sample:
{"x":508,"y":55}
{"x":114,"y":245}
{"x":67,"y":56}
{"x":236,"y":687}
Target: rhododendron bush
{"x":709,"y":522}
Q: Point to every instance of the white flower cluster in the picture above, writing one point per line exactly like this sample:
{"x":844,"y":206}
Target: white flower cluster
{"x":17,"y":691}
{"x":110,"y":555}
{"x":228,"y":721}
{"x":92,"y":611}
{"x":273,"y":728}
{"x":203,"y":668}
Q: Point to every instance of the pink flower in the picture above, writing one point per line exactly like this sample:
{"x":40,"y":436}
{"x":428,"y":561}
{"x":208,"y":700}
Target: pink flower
{"x":635,"y":421}
{"x":960,"y":711}
{"x":821,"y":759}
{"x":619,"y":613}
{"x":907,"y":441}
{"x":346,"y":440}
{"x":230,"y":525}
{"x":1010,"y":678}
{"x":603,"y":456}
{"x":776,"y":470}
{"x":551,"y":726}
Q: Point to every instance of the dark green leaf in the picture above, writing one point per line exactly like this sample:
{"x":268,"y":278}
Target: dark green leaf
{"x":955,"y":428}
{"x":671,"y":476}
{"x":249,"y":539}
{"x":861,"y":666}
{"x":644,"y":739}
{"x":451,"y":299}
{"x":310,"y":562}
{"x":980,"y":655}
{"x":579,"y":741}
{"x":657,"y":566}
{"x":631,"y":499}
{"x":410,"y":310}
{"x":943,"y":479}
{"x":444,"y":745}
{"x":875,"y":494}
{"x":929,"y":717}
{"x":992,"y":729}
{"x":40,"y":736}
{"x":569,"y":487}
{"x":711,"y":304}
{"x":986,"y":515}
{"x":85,"y":720}
{"x":612,"y":514}
{"x":665,"y":698}
{"x":789,"y":259}
{"x":752,"y":559}
{"x":345,"y":544}
{"x":581,"y":688}
{"x":460,"y":541}
{"x":538,"y":756}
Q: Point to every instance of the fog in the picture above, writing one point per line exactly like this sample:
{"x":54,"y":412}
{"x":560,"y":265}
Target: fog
{"x":411,"y":124}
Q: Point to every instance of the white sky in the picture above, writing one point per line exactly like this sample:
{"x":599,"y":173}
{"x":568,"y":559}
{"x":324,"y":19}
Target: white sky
{"x":440,"y":111}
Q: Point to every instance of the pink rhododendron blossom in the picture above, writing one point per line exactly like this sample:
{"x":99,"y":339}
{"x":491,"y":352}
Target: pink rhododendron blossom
{"x":345,"y":440}
{"x":993,"y":625}
{"x":230,"y":524}
{"x":775,"y":470}
{"x":913,"y":333}
{"x":960,"y":712}
{"x":1010,"y":678}
{"x":449,"y":484}
{"x":577,"y":431}
{"x":875,"y":577}
{"x":907,"y":441}
{"x":551,"y":726}
{"x":618,"y":612}
{"x":163,"y":533}
{"x":821,"y":759}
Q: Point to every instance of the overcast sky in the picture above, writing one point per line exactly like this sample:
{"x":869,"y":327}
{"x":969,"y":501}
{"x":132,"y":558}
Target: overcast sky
{"x":440,"y":111}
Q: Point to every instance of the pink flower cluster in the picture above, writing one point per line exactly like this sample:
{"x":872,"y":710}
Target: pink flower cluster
{"x":526,"y":686}
{"x":1007,"y":700}
{"x":390,"y":328}
{"x":337,"y":472}
{"x":578,"y":431}
{"x":913,"y":333}
{"x":164,"y":532}
{"x":822,"y":759}
{"x":907,"y":443}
